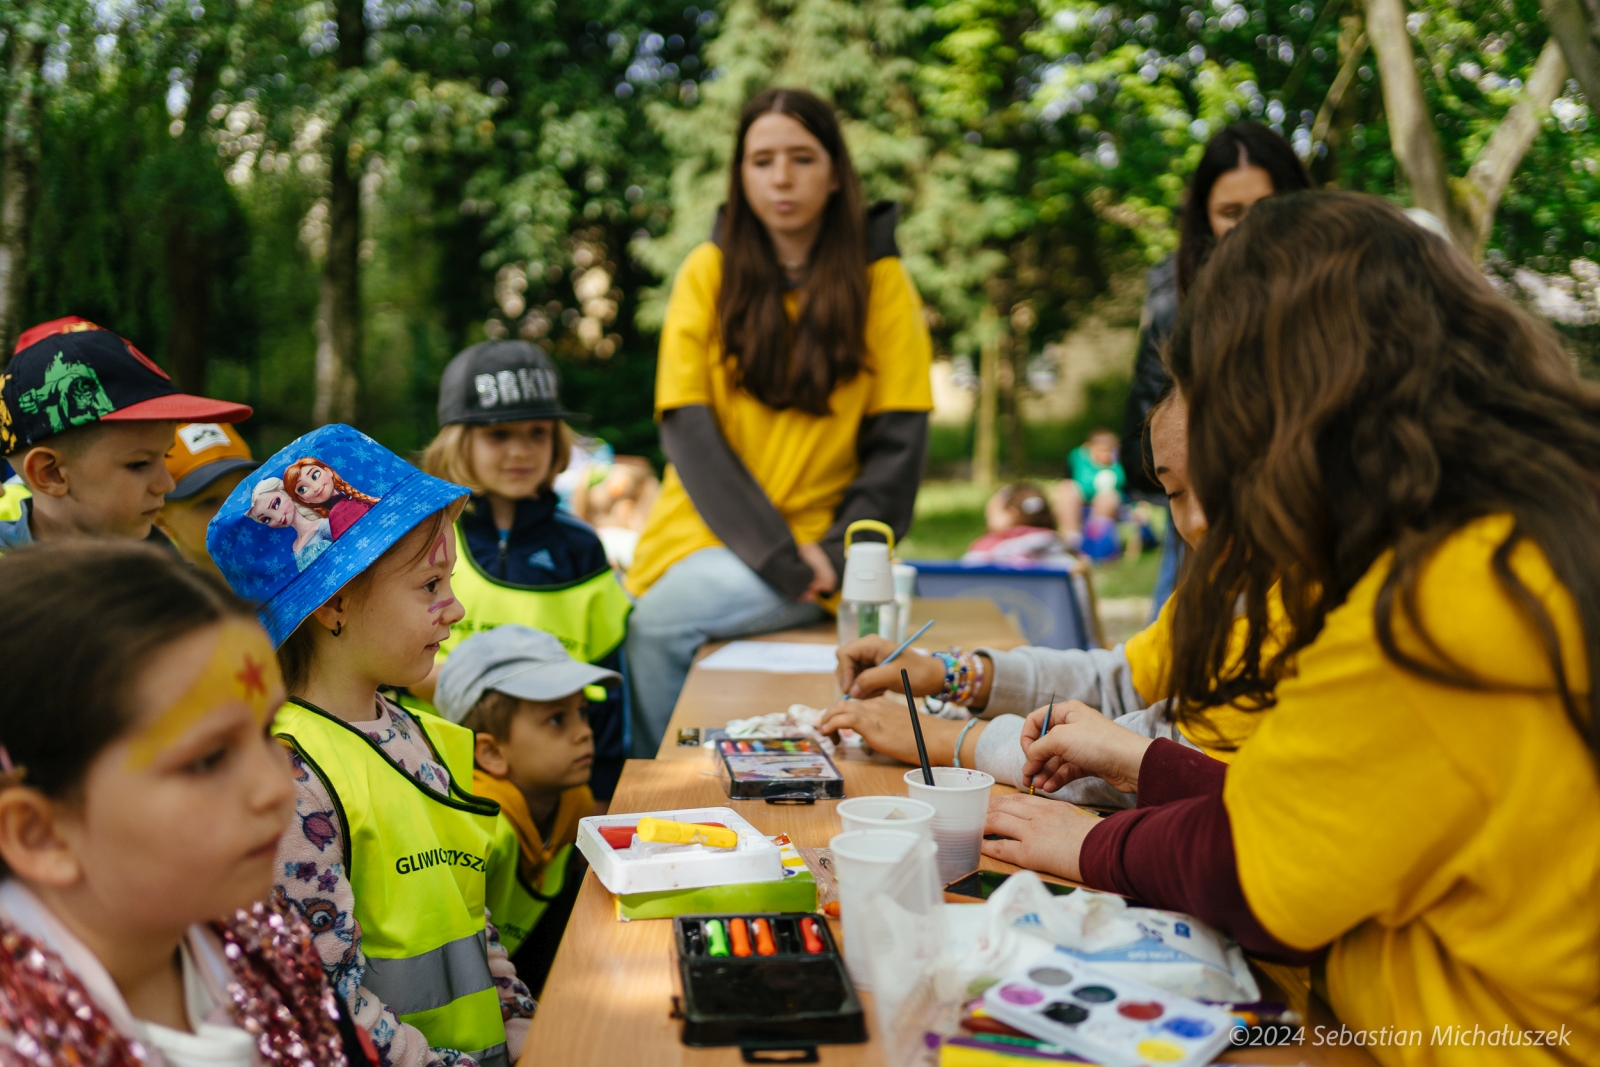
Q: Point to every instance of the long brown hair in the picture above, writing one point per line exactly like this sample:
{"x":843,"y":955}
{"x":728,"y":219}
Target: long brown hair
{"x":796,"y":365}
{"x":1355,"y":386}
{"x":1239,"y":144}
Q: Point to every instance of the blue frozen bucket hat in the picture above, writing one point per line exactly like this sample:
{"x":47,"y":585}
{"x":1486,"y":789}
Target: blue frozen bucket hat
{"x":314,"y":516}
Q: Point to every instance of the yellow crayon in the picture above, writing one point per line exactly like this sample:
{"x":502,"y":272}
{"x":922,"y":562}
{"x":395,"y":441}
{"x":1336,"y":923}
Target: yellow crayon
{"x":686,"y":833}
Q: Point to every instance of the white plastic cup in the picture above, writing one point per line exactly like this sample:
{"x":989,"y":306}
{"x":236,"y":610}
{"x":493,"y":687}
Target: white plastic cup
{"x":905,"y":587}
{"x":887,"y":813}
{"x":960,"y":799}
{"x":862,"y":862}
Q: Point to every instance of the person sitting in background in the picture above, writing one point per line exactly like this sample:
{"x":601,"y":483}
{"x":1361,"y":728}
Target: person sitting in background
{"x":1021,"y":528}
{"x":1095,"y":481}
{"x":86,"y":419}
{"x":503,"y":434}
{"x":522,"y":696}
{"x":793,"y":390}
{"x":206,"y":461}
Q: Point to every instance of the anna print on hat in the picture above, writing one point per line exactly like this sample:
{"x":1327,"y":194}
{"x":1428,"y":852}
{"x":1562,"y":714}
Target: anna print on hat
{"x":318,"y":486}
{"x":312,"y":500}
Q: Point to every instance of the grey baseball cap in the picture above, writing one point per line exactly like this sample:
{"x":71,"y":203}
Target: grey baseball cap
{"x":518,"y":661}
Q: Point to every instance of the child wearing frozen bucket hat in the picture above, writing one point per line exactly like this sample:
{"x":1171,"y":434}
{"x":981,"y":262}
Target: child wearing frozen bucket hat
{"x":347,"y":550}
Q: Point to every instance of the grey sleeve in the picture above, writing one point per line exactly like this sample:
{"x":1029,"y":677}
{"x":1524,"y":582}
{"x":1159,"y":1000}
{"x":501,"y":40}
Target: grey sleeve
{"x":1025,"y":678}
{"x":999,"y":752}
{"x":891,"y":448}
{"x":731,"y":501}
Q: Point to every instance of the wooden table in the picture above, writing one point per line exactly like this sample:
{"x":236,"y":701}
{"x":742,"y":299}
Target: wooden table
{"x":608,"y":997}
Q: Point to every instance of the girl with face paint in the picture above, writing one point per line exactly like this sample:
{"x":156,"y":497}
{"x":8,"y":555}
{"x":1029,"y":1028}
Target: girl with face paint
{"x":142,"y":800}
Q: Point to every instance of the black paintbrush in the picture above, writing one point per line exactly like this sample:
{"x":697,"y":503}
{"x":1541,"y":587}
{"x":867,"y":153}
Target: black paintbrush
{"x":916,"y":727}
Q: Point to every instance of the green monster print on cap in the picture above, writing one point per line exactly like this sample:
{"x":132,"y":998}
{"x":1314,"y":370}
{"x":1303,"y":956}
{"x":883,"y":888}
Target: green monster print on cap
{"x":71,"y":395}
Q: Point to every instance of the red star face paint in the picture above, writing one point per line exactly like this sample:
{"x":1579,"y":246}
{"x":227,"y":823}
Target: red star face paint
{"x":242,"y":669}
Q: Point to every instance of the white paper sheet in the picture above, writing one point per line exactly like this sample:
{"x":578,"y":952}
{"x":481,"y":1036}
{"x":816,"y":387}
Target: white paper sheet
{"x":774,"y":657}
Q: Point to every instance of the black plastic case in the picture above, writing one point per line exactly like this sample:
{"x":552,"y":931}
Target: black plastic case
{"x":791,"y":1000}
{"x":775,"y":769}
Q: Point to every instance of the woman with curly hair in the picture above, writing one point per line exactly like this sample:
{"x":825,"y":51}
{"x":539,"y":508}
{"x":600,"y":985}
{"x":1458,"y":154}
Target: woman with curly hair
{"x":1414,"y":465}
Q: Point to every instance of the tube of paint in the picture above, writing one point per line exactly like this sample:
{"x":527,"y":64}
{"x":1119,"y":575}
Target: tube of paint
{"x":716,"y":939}
{"x":739,"y":934}
{"x":808,"y":932}
{"x":665,"y":831}
{"x":762,"y":930}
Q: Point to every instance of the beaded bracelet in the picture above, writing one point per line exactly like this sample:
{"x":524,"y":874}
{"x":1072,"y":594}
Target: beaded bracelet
{"x":963,"y":676}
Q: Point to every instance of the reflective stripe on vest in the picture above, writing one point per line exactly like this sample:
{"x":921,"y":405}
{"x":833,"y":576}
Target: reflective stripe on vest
{"x":418,"y":865}
{"x":589,"y":616}
{"x":12,"y":494}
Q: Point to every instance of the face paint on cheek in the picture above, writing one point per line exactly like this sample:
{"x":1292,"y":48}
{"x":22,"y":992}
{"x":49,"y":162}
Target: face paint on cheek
{"x":439,"y":605}
{"x":243,"y":667}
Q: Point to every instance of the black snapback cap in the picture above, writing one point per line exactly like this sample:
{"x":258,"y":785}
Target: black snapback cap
{"x":69,"y":372}
{"x":501,"y":381}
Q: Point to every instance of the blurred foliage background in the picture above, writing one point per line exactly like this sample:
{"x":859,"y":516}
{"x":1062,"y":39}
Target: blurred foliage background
{"x":310,"y":205}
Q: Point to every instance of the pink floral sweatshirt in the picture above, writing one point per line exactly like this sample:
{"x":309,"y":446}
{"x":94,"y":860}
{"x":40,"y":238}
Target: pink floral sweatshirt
{"x":312,"y":876}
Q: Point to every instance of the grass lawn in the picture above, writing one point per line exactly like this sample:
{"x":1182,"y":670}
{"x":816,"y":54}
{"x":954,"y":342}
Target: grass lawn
{"x":949,"y":517}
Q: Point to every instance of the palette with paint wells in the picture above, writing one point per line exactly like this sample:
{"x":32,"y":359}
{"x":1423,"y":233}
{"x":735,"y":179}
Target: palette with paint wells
{"x":768,"y":980}
{"x":1108,"y":1019}
{"x":778,"y":769}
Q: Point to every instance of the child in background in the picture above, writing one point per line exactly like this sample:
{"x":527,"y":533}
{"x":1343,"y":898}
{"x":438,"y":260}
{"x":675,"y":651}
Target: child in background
{"x":1021,"y":528}
{"x":522,"y":696}
{"x":206,"y":461}
{"x":524,"y":560}
{"x":141,"y":804}
{"x":1096,"y":479}
{"x":380,"y":793}
{"x":86,"y":419}
{"x":617,"y":504}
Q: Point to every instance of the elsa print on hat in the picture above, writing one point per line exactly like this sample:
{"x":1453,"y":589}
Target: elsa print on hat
{"x":315,"y":515}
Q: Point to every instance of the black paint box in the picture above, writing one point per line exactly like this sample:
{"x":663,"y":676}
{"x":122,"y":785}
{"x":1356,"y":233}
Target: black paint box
{"x":780,"y":987}
{"x":778,"y":770}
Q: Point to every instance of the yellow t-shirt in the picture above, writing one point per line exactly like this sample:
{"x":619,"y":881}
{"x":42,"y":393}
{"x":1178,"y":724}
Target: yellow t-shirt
{"x":1445,"y":841}
{"x":1149,"y":655}
{"x":804,"y":462}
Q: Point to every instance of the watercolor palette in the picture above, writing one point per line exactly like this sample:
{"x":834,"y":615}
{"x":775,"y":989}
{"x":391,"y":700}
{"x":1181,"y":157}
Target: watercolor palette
{"x":778,"y":770}
{"x":764,"y":980}
{"x":1108,"y":1019}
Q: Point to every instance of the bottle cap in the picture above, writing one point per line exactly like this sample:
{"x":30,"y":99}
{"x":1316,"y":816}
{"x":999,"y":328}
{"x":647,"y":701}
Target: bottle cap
{"x":868,"y":574}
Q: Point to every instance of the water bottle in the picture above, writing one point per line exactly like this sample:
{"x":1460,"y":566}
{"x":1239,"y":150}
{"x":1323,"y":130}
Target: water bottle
{"x":866,"y":598}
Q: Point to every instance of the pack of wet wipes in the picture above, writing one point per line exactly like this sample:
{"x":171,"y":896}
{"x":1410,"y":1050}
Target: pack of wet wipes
{"x":1166,"y":949}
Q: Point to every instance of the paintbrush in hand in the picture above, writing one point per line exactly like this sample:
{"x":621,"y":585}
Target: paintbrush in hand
{"x":1047,"y":713}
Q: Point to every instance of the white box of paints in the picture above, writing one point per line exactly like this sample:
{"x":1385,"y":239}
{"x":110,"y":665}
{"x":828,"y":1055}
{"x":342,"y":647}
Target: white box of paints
{"x":642,"y":867}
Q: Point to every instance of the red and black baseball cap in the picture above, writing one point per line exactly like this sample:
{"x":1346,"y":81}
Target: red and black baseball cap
{"x":70,"y":372}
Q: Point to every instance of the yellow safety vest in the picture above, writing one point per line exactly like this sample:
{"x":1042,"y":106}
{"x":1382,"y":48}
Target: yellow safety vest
{"x":515,"y":907}
{"x":12,"y":494}
{"x":421,"y":868}
{"x":589,"y":616}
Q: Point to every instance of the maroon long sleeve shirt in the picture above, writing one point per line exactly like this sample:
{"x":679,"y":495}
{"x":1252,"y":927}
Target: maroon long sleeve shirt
{"x":1175,"y":850}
